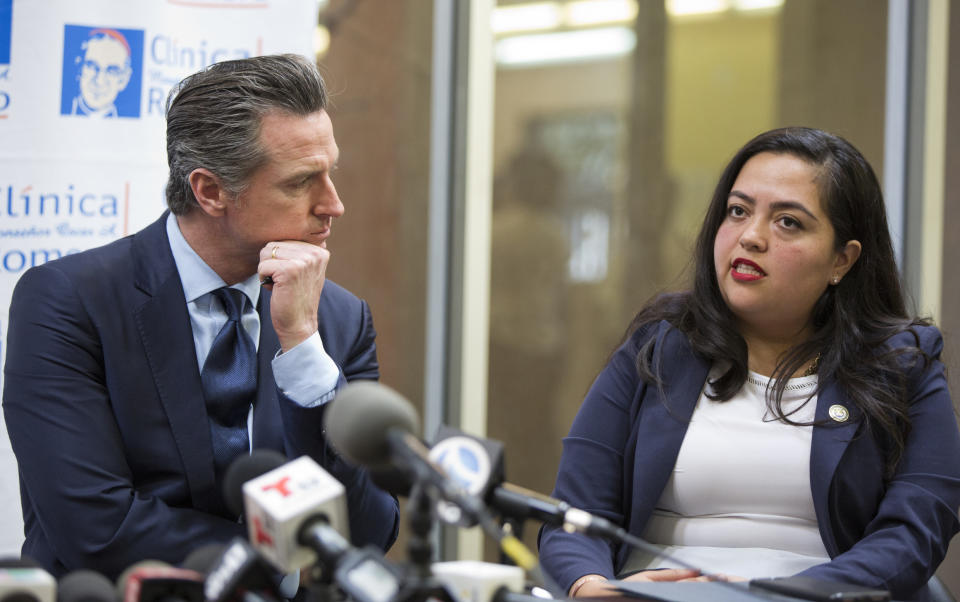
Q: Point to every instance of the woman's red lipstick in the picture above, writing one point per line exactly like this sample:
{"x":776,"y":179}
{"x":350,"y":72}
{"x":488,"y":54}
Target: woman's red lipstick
{"x":745,"y":270}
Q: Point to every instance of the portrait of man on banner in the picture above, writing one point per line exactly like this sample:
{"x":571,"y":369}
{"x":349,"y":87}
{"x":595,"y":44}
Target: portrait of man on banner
{"x":101,"y":72}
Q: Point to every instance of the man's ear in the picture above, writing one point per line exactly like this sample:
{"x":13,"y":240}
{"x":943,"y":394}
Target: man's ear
{"x":208,"y":191}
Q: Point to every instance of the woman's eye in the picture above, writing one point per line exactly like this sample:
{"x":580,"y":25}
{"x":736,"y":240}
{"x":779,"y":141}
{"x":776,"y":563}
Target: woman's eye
{"x":789,"y":222}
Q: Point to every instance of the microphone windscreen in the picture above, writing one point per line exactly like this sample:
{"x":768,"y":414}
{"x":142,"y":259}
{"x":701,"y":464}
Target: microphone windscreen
{"x":246,"y":468}
{"x":23,"y":583}
{"x":152,"y":582}
{"x":360,"y":418}
{"x":124,"y":577}
{"x":85,"y":586}
{"x":204,"y":558}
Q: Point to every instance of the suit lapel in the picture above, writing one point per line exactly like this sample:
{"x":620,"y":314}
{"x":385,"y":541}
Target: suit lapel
{"x":829,"y":442}
{"x":164,"y":324}
{"x":663,"y":424}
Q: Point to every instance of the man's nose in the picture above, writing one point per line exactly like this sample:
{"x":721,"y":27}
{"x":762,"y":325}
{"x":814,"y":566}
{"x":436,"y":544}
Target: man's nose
{"x":328,"y":201}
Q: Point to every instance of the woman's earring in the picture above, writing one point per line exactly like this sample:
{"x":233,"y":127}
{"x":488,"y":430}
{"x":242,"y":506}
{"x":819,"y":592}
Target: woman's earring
{"x":835,"y":279}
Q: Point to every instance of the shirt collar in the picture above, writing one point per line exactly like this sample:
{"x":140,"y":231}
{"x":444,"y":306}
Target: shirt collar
{"x":197,"y":278}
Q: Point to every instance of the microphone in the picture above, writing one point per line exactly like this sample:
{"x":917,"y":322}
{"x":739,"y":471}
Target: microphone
{"x":475,"y":464}
{"x":296,"y":513}
{"x":373,"y":425}
{"x":84,"y":585}
{"x":472,"y":581}
{"x":154,"y":581}
{"x":204,"y":558}
{"x":239,"y":572}
{"x":478,"y":465}
{"x":246,"y":468}
{"x":22,"y":581}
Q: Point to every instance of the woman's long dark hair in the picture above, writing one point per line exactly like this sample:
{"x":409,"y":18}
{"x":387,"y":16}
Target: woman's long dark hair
{"x":851,"y":320}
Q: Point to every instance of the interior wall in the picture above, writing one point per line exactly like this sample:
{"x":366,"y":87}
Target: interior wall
{"x":830,"y":83}
{"x":950,"y":304}
{"x":378,"y":69}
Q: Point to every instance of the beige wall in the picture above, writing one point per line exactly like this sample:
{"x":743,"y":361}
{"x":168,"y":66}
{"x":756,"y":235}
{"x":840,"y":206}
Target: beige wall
{"x":950,"y":312}
{"x":378,"y":69}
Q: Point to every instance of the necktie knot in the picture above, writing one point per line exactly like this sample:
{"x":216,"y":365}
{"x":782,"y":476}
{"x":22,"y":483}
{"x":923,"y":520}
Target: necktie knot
{"x":233,"y":302}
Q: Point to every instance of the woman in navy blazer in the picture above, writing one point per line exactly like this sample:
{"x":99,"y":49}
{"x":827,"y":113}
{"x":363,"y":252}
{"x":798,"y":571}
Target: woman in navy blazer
{"x":794,"y":275}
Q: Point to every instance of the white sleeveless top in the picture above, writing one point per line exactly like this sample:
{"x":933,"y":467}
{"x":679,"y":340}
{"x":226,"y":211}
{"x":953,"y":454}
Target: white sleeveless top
{"x":739,"y":500}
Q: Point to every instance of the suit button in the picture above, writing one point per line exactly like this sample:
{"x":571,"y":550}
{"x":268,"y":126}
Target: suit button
{"x":839,"y":413}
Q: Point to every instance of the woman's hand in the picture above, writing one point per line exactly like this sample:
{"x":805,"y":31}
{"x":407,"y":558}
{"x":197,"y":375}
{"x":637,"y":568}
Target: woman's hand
{"x":591,"y":586}
{"x":681,"y":575}
{"x":667,"y":575}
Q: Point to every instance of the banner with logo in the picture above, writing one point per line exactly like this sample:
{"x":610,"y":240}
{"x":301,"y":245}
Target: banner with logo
{"x":83,"y":87}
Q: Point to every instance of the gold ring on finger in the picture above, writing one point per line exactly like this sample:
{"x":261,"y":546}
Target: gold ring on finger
{"x":273,"y":254}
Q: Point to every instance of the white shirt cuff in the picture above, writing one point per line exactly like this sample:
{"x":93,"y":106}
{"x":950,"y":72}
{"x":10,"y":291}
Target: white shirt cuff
{"x":306,"y":374}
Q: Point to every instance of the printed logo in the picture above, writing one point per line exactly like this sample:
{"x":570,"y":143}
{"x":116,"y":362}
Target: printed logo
{"x":281,"y":486}
{"x":102,"y":71}
{"x":464,"y":461}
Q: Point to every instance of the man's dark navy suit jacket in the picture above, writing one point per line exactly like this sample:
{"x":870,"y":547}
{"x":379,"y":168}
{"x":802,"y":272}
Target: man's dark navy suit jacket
{"x":106,"y":417}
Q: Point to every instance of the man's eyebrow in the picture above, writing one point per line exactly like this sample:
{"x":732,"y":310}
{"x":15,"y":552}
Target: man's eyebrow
{"x":776,"y":205}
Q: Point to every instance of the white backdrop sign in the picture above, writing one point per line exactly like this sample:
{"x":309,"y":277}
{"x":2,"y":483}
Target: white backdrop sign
{"x":82,"y":154}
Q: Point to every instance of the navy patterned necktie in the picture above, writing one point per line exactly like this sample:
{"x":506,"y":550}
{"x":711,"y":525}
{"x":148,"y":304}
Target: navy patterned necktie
{"x":229,"y":381}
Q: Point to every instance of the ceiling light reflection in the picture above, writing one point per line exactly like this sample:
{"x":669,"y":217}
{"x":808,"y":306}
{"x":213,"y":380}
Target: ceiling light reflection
{"x":564,"y":47}
{"x":689,"y":8}
{"x":525,"y":17}
{"x":757,"y":5}
{"x":580,"y":13}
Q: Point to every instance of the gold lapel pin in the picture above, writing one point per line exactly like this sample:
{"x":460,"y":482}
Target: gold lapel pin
{"x":839,"y":413}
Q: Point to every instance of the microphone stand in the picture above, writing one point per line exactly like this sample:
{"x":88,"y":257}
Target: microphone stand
{"x":420,"y":584}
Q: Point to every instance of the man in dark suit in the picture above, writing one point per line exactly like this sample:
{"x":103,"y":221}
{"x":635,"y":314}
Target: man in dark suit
{"x":106,"y":392}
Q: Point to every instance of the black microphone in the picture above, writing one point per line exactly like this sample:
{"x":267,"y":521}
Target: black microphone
{"x":373,"y":425}
{"x":246,"y":468}
{"x":478,"y":465}
{"x":155,"y":581}
{"x":238,"y":573}
{"x":84,"y":585}
{"x":202,"y":559}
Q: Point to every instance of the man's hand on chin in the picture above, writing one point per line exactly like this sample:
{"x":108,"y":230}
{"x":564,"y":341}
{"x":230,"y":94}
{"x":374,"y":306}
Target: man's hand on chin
{"x":296,"y":272}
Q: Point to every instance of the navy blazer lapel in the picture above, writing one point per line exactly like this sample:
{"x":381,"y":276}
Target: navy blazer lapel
{"x":164,"y":324}
{"x":829,"y":442}
{"x":267,"y":429}
{"x":663,"y":424}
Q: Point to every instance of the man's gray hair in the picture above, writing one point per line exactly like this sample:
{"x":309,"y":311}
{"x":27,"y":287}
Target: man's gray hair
{"x":214,"y":117}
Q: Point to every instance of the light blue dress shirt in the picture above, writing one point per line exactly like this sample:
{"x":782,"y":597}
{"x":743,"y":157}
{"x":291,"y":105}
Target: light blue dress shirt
{"x":305,"y":374}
